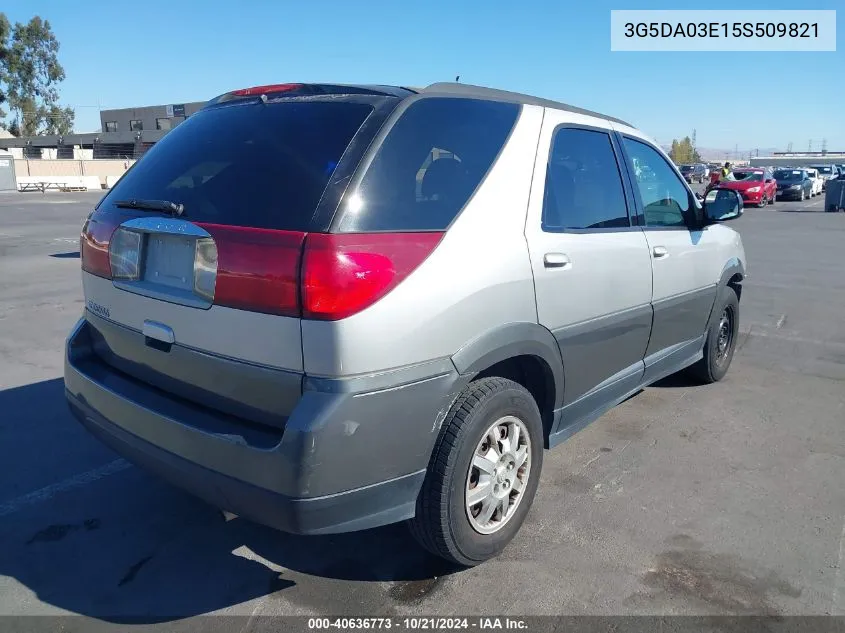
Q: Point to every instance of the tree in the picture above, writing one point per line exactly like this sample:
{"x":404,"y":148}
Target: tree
{"x":683,"y":152}
{"x":29,"y":76}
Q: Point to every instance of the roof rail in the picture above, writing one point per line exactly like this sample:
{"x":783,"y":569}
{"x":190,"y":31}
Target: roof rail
{"x":492,"y":94}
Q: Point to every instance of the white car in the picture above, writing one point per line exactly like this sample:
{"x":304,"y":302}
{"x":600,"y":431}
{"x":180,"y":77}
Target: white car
{"x":818,"y":183}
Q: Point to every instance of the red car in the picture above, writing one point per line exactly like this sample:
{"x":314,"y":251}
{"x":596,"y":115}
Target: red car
{"x":756,"y":186}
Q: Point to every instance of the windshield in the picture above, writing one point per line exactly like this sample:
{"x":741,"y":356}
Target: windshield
{"x":686,"y":168}
{"x":825,"y":169}
{"x":749,"y":176}
{"x":784,"y":174}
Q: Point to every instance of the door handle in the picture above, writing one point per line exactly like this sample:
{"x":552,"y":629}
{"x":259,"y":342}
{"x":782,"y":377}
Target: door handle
{"x":556,"y":260}
{"x":659,"y":252}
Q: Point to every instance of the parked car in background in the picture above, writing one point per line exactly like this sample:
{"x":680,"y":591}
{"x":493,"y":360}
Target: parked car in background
{"x":793,"y":184}
{"x":827,"y":172}
{"x":818,"y":183}
{"x":756,"y":185}
{"x":695,"y":173}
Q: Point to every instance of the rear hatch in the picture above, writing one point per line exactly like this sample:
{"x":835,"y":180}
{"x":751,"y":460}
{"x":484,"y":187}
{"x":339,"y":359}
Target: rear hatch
{"x":191,"y":263}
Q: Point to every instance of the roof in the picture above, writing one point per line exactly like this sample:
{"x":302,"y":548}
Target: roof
{"x":492,"y":94}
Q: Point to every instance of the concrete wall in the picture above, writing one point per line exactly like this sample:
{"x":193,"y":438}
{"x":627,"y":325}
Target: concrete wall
{"x":63,"y":168}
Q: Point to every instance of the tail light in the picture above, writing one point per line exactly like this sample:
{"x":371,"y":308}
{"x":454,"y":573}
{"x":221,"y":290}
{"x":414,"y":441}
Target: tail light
{"x":265,"y":90}
{"x":94,"y":245}
{"x":125,"y":254}
{"x":289,"y":273}
{"x":345,"y":273}
{"x":257,"y":269}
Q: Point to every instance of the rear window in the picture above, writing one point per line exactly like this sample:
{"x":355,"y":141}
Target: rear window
{"x":254,"y":165}
{"x":430,"y":164}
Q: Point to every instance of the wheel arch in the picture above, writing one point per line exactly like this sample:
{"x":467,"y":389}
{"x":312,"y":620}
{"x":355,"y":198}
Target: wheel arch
{"x":526,"y":353}
{"x":733,"y":274}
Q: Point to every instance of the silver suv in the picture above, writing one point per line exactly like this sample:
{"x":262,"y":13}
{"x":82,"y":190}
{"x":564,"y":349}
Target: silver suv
{"x":328,"y":308}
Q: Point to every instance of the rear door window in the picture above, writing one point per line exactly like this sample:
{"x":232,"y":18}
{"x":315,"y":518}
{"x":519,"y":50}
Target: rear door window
{"x":429,"y":165}
{"x":583,"y":183}
{"x":252,"y":164}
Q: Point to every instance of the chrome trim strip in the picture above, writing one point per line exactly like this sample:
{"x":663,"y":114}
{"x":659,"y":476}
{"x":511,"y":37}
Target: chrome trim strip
{"x":172,"y":226}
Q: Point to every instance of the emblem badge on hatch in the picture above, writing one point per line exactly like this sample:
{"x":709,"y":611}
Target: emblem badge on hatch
{"x":99,"y":310}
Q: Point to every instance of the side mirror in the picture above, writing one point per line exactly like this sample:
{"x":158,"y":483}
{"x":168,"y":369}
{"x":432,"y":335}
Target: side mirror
{"x":721,"y":205}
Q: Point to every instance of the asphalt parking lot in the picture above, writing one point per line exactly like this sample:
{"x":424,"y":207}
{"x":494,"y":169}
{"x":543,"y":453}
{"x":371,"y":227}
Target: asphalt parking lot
{"x":725,"y":499}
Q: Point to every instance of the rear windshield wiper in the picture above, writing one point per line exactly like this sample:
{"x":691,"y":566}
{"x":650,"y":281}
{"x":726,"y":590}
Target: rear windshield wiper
{"x":152,"y":205}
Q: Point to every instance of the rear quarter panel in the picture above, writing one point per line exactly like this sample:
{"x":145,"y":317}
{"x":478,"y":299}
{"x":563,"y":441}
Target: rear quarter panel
{"x":478,"y":277}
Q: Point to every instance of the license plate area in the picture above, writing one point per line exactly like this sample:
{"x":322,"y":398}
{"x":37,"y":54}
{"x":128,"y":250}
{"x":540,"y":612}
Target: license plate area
{"x":168,"y":260}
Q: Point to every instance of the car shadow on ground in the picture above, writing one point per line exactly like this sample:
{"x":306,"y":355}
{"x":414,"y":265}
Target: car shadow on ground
{"x":677,"y":381}
{"x":129,"y":547}
{"x":69,"y":255}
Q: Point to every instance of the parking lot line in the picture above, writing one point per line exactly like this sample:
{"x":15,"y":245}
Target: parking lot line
{"x":838,"y":606}
{"x":48,"y":492}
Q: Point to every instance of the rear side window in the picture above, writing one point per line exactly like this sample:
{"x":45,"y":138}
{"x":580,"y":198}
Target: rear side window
{"x":583,"y":183}
{"x":429,"y":165}
{"x":253,"y":165}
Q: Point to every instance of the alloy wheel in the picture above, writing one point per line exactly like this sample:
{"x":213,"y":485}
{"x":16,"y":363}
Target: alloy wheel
{"x":498,"y":475}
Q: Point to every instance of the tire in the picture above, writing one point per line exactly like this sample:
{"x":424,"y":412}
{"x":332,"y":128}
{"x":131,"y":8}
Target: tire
{"x":717,"y":357}
{"x":774,"y":198}
{"x":442,"y":524}
{"x":764,"y":200}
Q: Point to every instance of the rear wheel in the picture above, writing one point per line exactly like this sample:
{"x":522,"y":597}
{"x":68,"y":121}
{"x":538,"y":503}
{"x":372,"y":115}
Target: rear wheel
{"x":763,"y":201}
{"x":721,"y":338}
{"x":483,"y":473}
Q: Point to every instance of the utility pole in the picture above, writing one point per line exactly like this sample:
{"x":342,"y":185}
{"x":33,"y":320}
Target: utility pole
{"x":810,"y":146}
{"x":824,"y":146}
{"x":789,"y":148}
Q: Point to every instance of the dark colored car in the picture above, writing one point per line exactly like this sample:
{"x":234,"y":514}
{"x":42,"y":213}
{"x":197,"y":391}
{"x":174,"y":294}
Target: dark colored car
{"x":695,"y":173}
{"x":756,"y":186}
{"x":793,"y":184}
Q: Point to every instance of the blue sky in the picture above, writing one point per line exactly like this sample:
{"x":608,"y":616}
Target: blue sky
{"x":171,"y":52}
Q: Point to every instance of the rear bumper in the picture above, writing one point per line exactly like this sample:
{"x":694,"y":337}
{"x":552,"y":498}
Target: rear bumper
{"x":348,"y":458}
